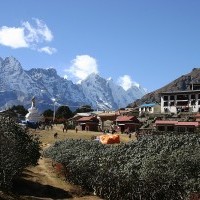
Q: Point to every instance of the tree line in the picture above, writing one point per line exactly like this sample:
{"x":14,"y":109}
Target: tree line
{"x":63,"y":112}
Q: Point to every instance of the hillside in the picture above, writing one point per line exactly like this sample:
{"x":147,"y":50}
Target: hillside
{"x":181,"y":83}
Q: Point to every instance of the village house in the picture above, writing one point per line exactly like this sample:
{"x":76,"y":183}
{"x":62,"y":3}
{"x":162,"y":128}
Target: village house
{"x":73,"y":121}
{"x":127,"y":123}
{"x":90,"y":123}
{"x":149,"y":108}
{"x":106,"y":119}
{"x":178,"y":126}
{"x":181,"y":101}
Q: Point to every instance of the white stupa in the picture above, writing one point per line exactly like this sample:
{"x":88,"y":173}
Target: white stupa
{"x":33,"y":114}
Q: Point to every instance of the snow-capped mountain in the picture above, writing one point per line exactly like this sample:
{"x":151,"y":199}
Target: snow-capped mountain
{"x":55,"y":87}
{"x":15,"y":84}
{"x":18,"y":86}
{"x":122,"y":97}
{"x":105,"y":94}
{"x":98,"y":92}
{"x":136,"y":91}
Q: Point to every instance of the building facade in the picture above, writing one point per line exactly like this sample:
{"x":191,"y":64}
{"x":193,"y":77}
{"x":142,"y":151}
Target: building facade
{"x":150,"y":108}
{"x":128,"y":123}
{"x":90,"y":123}
{"x":181,"y":127}
{"x":181,"y":101}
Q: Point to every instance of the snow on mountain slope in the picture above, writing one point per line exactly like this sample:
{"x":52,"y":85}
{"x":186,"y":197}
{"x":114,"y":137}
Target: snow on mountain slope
{"x":105,"y":94}
{"x":119,"y":95}
{"x":53,"y":86}
{"x":18,"y":86}
{"x":136,"y":92}
{"x":98,"y":92}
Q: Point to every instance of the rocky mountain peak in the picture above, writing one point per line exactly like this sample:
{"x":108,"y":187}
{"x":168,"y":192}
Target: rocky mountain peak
{"x":11,"y":64}
{"x":38,"y":73}
{"x":46,"y":84}
{"x":93,"y":77}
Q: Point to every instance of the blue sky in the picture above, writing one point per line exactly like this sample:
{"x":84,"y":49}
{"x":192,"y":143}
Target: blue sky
{"x":150,"y":42}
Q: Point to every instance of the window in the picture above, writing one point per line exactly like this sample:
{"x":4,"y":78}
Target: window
{"x":170,"y":128}
{"x":198,"y":96}
{"x":182,"y":97}
{"x":181,"y":129}
{"x":190,"y":129}
{"x":161,"y":128}
{"x":165,"y":103}
{"x":172,"y":97}
{"x":196,"y":87}
{"x":193,"y":96}
{"x":193,"y":102}
{"x":182,"y":103}
{"x":166,"y":98}
{"x":172,"y":103}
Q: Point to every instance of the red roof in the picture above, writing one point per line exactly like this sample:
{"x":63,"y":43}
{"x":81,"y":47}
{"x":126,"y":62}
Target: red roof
{"x":197,"y":115}
{"x":177,"y":123}
{"x":166,"y":122}
{"x":187,"y":124}
{"x":127,"y":118}
{"x":90,"y":118}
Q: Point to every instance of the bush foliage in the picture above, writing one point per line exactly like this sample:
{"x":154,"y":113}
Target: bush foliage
{"x":18,"y":149}
{"x":152,"y":168}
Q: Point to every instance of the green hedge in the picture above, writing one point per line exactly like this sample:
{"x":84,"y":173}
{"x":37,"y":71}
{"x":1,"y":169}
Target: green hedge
{"x":154,"y":167}
{"x":18,"y":149}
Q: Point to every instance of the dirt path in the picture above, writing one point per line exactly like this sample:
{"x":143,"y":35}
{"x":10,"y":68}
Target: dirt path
{"x":42,"y":182}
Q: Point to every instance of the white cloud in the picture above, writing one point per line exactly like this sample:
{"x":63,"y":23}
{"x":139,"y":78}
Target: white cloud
{"x":27,"y":36}
{"x":126,"y":82}
{"x":82,"y":66}
{"x":48,"y":50}
{"x":44,"y":30}
{"x":13,"y":37}
{"x":39,"y":33}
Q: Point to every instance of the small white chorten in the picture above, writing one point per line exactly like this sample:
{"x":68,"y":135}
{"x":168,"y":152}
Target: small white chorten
{"x":33,"y":113}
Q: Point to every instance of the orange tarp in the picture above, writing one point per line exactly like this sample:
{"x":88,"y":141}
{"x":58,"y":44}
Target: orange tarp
{"x":109,"y":139}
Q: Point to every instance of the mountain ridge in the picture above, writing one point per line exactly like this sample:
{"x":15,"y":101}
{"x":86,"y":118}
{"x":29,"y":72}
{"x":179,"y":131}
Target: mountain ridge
{"x":18,"y":86}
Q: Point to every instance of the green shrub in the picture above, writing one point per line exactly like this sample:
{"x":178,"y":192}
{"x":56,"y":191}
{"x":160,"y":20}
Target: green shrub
{"x":18,"y":149}
{"x":155,"y":167}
